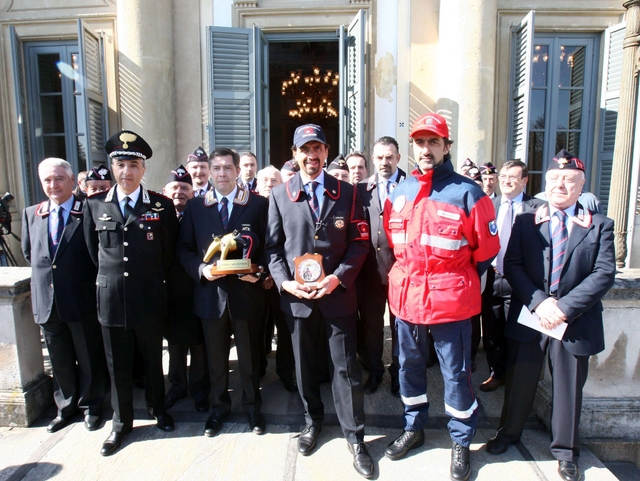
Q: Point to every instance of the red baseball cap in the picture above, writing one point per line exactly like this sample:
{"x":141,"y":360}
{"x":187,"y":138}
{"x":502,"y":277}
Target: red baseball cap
{"x":434,"y":123}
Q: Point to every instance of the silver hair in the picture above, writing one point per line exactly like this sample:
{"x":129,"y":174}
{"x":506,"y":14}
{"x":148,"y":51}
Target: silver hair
{"x":268,"y":169}
{"x":56,"y":162}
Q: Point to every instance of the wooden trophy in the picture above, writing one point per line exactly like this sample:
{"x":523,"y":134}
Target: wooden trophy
{"x":309,"y":269}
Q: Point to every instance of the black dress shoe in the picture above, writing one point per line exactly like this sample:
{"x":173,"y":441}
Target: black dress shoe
{"x":256,"y":422}
{"x":57,"y":424}
{"x":371,"y":385}
{"x":165,"y":423}
{"x":569,"y":471}
{"x":112,"y":443}
{"x":361,"y":459}
{"x":491,"y":384}
{"x":395,"y":386}
{"x":496,"y":445}
{"x":213,"y":425}
{"x":169,"y":401}
{"x":202,"y":405}
{"x":460,"y":465}
{"x":401,"y":446}
{"x":307,"y":439}
{"x":92,"y":421}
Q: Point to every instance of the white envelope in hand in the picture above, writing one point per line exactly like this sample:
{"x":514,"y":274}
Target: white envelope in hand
{"x":532,"y":320}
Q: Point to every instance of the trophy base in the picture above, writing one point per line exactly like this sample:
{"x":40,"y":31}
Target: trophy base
{"x":234,"y":266}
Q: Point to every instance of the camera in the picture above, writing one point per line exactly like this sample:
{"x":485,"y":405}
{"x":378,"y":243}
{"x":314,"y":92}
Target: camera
{"x":5,"y":215}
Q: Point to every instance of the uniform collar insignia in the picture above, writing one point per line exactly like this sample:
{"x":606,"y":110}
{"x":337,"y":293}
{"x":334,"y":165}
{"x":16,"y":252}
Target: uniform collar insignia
{"x":210,"y":198}
{"x":77,"y":207}
{"x":109,"y":197}
{"x":43,"y":209}
{"x":145,"y":196}
{"x":542,"y":214}
{"x":582,"y":217}
{"x":332,"y":191}
{"x":242,"y":196}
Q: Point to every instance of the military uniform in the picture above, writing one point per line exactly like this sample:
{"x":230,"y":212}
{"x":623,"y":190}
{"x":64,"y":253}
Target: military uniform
{"x":133,"y":256}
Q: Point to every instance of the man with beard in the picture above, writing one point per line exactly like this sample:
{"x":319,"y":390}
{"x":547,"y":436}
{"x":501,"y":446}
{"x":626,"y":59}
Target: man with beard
{"x":198,"y":168}
{"x":316,"y":213}
{"x":443,"y":232}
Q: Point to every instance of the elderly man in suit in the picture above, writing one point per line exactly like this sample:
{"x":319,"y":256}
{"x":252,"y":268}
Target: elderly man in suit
{"x":64,"y":297}
{"x":131,"y":234}
{"x":373,"y":281}
{"x":560,"y":263}
{"x":227,"y":303}
{"x":316,"y":213}
{"x":496,"y":297}
{"x":182,"y":328}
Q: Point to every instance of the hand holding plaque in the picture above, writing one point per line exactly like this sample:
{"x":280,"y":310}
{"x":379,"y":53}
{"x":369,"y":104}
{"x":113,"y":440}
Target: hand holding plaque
{"x":229,"y":243}
{"x":309,"y":271}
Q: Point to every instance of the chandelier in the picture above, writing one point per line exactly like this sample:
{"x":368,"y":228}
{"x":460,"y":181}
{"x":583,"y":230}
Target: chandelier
{"x":311,"y":95}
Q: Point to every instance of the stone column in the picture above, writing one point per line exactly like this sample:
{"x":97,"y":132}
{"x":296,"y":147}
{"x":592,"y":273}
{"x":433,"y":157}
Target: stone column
{"x":465,"y":91}
{"x":146,"y":74}
{"x":623,"y":153}
{"x":25,"y":390}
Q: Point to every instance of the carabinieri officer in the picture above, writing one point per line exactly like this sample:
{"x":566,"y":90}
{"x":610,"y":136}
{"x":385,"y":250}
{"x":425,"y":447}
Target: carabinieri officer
{"x":131,"y":234}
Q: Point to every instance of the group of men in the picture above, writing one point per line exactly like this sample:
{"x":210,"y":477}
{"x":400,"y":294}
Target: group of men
{"x":327,"y":256}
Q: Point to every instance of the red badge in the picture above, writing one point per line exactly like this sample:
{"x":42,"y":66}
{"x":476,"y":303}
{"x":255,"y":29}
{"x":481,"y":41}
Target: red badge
{"x":363,"y":228}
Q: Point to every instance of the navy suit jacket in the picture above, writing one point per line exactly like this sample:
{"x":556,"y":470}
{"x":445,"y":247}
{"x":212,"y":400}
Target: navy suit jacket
{"x":588,"y":273}
{"x":70,"y":277}
{"x":380,"y":258}
{"x":341,"y":237}
{"x":200,"y":224}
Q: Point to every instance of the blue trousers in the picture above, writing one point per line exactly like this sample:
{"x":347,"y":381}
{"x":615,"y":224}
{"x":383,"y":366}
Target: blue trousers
{"x":452,"y":342}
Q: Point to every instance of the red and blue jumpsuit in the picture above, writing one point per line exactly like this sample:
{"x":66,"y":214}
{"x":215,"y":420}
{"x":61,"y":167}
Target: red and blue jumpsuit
{"x":443,"y":232}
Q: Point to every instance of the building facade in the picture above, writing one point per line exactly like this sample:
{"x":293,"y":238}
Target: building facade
{"x":515,"y":79}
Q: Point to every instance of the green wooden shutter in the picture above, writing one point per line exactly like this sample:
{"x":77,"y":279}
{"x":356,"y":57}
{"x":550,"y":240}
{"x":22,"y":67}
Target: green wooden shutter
{"x":352,"y":84}
{"x":19,"y":78}
{"x":521,"y":61}
{"x":612,"y":65}
{"x":93,"y":93}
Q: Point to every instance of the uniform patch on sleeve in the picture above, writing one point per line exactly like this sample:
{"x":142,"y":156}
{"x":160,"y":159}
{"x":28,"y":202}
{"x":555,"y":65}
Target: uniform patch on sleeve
{"x":493,"y":227}
{"x":363,"y":228}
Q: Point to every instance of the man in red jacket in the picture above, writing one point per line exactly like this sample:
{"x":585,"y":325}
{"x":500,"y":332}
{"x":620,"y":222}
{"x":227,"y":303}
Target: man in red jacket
{"x":443,"y":232}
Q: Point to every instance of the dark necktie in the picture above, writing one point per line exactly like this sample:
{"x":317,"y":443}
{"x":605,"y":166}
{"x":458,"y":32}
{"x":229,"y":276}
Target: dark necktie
{"x":57,"y":226}
{"x":558,"y":247}
{"x":247,"y":186}
{"x":224,"y":212}
{"x":313,"y":199}
{"x":504,"y":234}
{"x":128,"y":210}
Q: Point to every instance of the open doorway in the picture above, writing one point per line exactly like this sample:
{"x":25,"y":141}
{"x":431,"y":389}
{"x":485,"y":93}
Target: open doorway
{"x":303,"y":88}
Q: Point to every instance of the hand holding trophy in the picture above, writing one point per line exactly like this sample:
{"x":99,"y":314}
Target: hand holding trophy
{"x":229,"y":243}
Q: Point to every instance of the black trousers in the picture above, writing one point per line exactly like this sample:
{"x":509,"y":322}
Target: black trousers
{"x":346,"y":376}
{"x":568,"y":376}
{"x":248,"y":336}
{"x":285,"y":363}
{"x":119,"y":346}
{"x":80,"y":377}
{"x":372,"y":308}
{"x":193,"y":379}
{"x":496,"y":299}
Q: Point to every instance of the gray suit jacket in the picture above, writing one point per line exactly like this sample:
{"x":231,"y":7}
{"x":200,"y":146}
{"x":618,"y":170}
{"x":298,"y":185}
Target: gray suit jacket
{"x":70,"y":277}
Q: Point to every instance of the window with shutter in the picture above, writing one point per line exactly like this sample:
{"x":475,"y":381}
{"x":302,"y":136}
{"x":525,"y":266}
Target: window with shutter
{"x":614,"y":37}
